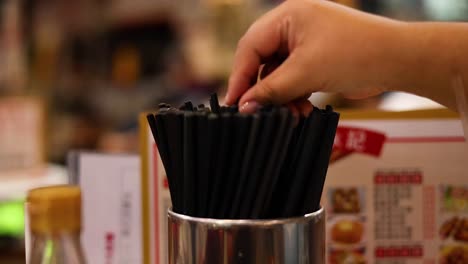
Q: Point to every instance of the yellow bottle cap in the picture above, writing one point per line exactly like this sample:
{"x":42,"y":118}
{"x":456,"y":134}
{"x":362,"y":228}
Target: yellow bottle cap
{"x":54,"y":209}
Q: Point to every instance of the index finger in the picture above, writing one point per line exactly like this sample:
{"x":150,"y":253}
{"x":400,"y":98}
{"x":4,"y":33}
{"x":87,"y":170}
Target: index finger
{"x":261,"y":41}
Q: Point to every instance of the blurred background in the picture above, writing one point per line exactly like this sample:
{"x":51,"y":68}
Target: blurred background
{"x":76,"y":74}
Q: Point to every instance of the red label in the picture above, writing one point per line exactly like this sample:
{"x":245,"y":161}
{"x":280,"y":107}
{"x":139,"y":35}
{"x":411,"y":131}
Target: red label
{"x":350,"y":139}
{"x":109,"y":238}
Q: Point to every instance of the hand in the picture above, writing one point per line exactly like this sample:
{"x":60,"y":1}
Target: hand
{"x":310,"y":46}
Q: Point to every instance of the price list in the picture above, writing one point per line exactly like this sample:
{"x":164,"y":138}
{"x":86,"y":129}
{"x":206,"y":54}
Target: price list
{"x":394,"y":195}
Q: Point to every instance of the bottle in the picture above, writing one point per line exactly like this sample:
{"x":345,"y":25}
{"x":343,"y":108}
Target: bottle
{"x":55,"y":225}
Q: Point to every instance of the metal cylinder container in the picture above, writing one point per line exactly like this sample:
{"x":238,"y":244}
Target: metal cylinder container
{"x":299,"y":240}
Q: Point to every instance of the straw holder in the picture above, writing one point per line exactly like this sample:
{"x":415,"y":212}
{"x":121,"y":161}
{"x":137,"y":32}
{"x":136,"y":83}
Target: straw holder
{"x":299,"y":240}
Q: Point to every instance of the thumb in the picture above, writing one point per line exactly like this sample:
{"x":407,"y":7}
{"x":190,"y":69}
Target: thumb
{"x":283,"y":85}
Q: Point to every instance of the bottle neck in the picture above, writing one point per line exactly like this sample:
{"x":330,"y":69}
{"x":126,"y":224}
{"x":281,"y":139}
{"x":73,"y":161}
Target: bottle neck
{"x":62,"y":247}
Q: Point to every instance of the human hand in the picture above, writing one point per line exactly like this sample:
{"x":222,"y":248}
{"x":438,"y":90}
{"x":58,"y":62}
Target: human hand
{"x":308,"y":46}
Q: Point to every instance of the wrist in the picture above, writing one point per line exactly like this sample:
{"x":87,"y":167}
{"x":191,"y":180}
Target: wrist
{"x":402,"y":58}
{"x":434,"y":55}
{"x":392,"y":57}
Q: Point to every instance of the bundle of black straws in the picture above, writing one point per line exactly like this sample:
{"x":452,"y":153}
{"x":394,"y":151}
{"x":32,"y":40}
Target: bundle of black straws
{"x":228,"y":165}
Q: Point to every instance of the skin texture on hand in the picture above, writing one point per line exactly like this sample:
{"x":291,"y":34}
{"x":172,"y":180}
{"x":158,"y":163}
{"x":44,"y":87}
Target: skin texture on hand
{"x":310,"y":45}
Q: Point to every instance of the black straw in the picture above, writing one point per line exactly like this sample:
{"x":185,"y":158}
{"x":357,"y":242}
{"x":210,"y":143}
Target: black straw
{"x":224,"y":164}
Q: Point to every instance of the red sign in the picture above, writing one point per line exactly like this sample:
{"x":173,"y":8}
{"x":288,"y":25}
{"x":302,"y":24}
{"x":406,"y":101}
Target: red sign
{"x":350,"y":139}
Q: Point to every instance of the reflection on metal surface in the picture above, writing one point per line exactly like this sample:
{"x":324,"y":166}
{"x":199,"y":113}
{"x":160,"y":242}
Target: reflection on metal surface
{"x":208,"y":241}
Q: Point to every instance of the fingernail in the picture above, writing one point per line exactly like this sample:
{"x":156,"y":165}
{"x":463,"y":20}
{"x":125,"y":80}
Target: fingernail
{"x":249,"y":107}
{"x":226,"y":99}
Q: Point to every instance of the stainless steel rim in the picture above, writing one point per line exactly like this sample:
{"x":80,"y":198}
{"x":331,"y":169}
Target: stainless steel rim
{"x":317,"y":215}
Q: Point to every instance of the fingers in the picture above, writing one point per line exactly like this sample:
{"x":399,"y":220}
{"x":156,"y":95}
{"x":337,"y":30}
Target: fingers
{"x":271,"y":66}
{"x":295,"y":111}
{"x":297,"y":108}
{"x":304,"y":106}
{"x":283,"y":85}
{"x":300,"y":107}
{"x":261,"y":41}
